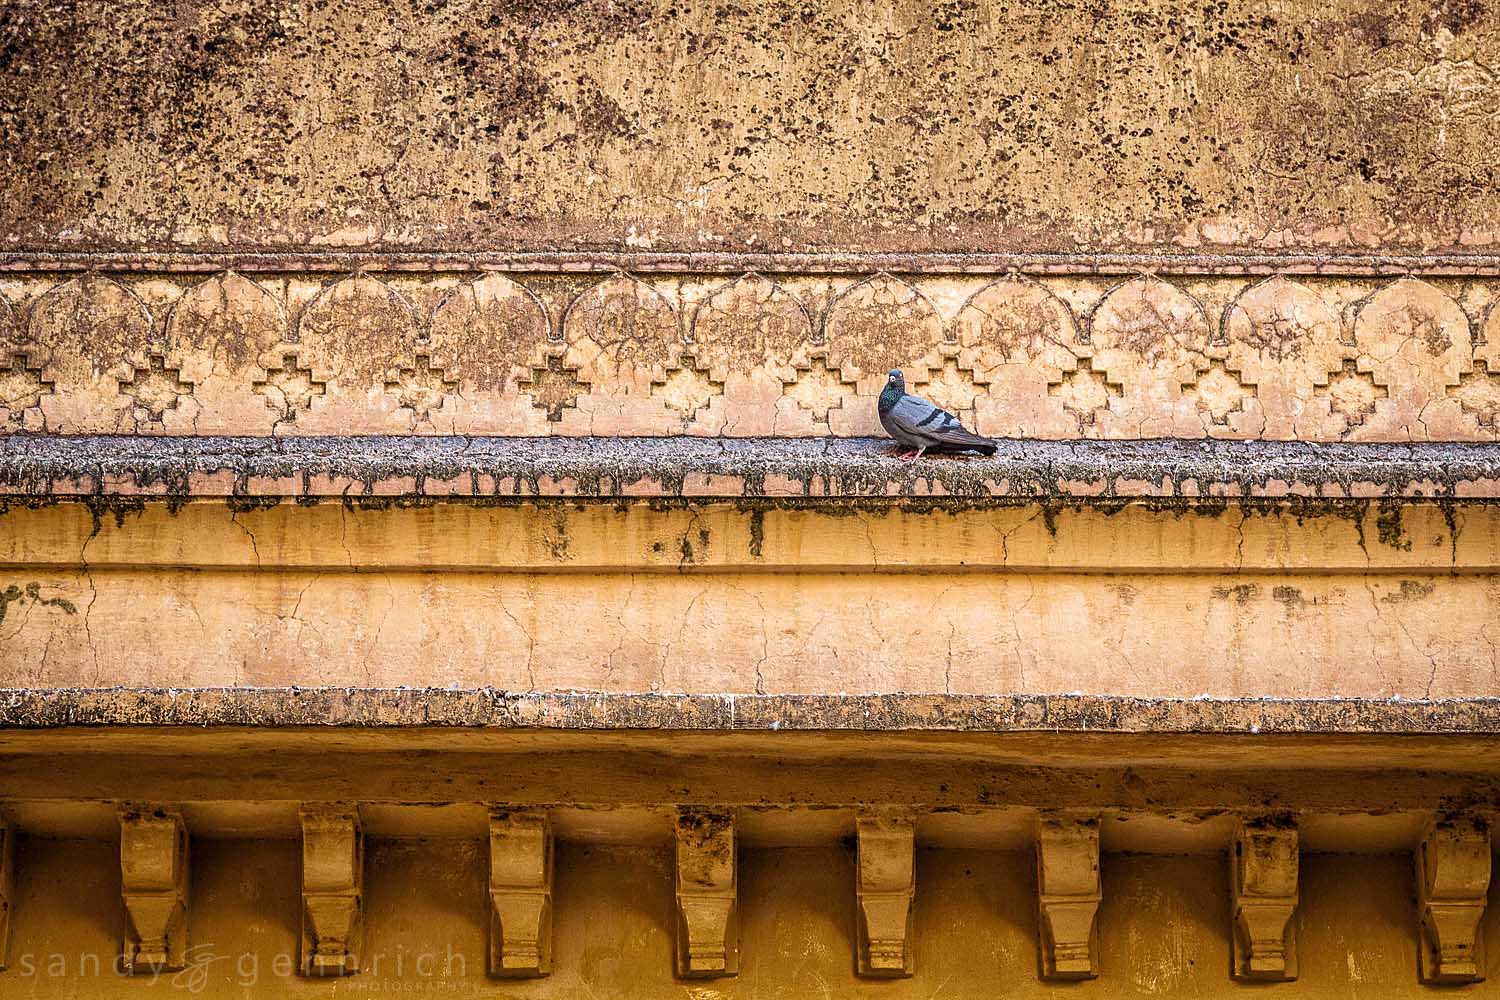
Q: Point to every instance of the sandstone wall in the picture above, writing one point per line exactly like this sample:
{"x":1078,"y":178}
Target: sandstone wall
{"x":1092,"y":356}
{"x":1325,"y":599}
{"x":1343,"y":126}
{"x":445,"y":538}
{"x":1162,"y":928}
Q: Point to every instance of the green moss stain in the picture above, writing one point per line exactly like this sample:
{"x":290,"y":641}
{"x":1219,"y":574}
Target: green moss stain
{"x":757,"y":532}
{"x":32,"y":592}
{"x":1388,"y":527}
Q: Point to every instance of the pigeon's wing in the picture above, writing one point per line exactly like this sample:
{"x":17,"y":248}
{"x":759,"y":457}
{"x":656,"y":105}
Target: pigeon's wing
{"x":917,"y":423}
{"x":908,"y":421}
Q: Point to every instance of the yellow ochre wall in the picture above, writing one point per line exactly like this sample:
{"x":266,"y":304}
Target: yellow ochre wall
{"x":1163,"y":928}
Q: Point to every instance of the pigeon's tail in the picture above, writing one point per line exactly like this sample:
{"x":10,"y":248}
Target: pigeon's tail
{"x":958,"y":439}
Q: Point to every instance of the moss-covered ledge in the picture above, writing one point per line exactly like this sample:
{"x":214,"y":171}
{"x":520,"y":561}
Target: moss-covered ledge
{"x":386,"y":708}
{"x":46,"y":466}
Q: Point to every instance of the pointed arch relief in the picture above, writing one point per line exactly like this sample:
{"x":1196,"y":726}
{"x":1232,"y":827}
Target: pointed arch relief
{"x":880,"y":323}
{"x":356,"y":332}
{"x":752,"y":323}
{"x":107,"y":368}
{"x":622,"y":326}
{"x":1148,"y":332}
{"x":1021,"y":341}
{"x":223,"y":326}
{"x":1279,"y":329}
{"x":1413,"y":353}
{"x":1285,"y":343}
{"x":1017,"y":321}
{"x":1416,"y":322}
{"x":94,"y":326}
{"x":487,"y":331}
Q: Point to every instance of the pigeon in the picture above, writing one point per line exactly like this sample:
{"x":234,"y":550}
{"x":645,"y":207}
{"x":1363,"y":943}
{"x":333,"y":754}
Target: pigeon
{"x":919,"y":426}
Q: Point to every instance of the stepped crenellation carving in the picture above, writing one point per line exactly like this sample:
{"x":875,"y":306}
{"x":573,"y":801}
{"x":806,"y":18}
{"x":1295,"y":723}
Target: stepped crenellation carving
{"x":1310,"y":358}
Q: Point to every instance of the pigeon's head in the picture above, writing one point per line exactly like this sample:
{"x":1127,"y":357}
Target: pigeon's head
{"x":896,"y":380}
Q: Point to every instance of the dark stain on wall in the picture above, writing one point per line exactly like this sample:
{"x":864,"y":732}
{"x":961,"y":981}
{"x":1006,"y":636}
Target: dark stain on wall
{"x":1237,"y":124}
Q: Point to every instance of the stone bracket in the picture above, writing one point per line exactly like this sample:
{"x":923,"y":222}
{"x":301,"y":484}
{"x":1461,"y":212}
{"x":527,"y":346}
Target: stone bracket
{"x":1453,"y":880}
{"x":520,"y":894}
{"x":154,"y":888}
{"x":1263,"y":885}
{"x":886,"y":883}
{"x":708,"y":934}
{"x":333,"y":850}
{"x":1068,"y":895}
{"x":7,"y":886}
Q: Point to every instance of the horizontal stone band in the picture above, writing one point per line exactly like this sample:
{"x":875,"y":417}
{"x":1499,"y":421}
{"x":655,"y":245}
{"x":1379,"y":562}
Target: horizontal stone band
{"x":487,"y":708}
{"x":714,"y":355}
{"x":37,"y":466}
{"x":275,"y":259}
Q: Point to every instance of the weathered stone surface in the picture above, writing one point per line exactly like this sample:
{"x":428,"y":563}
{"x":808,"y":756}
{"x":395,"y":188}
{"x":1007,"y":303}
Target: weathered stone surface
{"x":154,"y":885}
{"x":23,"y":709}
{"x":1263,"y":863}
{"x":520,"y":891}
{"x":430,"y":392}
{"x":1240,"y":125}
{"x":458,"y":352}
{"x":38,"y":468}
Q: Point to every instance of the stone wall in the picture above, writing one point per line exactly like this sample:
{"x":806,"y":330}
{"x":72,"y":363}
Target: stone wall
{"x":1315,"y":359}
{"x":1162,"y":924}
{"x":1241,"y":125}
{"x":447,"y":543}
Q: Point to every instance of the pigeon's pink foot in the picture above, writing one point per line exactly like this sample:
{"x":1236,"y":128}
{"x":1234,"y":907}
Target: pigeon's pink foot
{"x":912,"y":456}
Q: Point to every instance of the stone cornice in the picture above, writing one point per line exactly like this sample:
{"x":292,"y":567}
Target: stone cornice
{"x":282,"y":259}
{"x":396,"y":708}
{"x":497,"y":468}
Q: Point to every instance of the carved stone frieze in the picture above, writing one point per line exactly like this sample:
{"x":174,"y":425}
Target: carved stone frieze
{"x":1045,"y":356}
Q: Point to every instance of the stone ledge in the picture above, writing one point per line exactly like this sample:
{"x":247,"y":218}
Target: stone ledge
{"x":382,"y":708}
{"x":277,"y":259}
{"x":498,"y":468}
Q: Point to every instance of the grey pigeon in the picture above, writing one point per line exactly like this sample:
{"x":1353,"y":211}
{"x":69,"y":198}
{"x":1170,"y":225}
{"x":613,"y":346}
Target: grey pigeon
{"x":919,"y":426}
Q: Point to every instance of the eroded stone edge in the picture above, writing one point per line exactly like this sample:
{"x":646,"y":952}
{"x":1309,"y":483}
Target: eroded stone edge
{"x":487,"y":708}
{"x":44,"y":468}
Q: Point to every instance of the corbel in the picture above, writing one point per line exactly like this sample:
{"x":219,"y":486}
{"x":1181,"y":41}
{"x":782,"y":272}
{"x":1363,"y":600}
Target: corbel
{"x":1068,"y":894}
{"x":520,"y":894}
{"x":154,"y":888}
{"x":886,"y":883}
{"x":708,"y":933}
{"x":7,"y":885}
{"x":1453,"y":881}
{"x":333,"y":855}
{"x":1263,"y":886}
